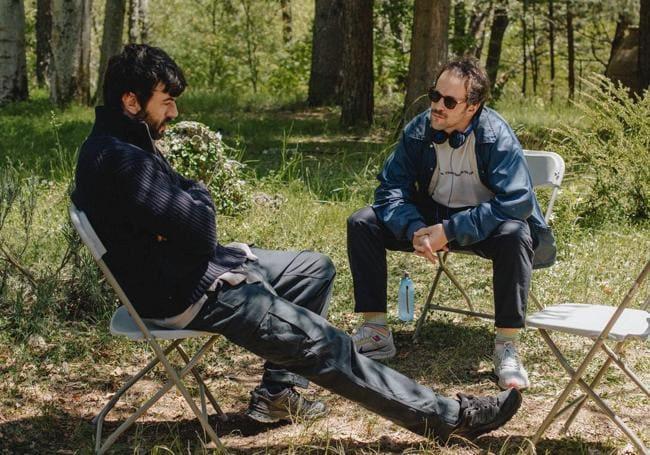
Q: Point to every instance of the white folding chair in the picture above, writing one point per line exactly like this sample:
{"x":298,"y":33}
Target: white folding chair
{"x":546,"y":170}
{"x":126,"y":322}
{"x":599,"y":323}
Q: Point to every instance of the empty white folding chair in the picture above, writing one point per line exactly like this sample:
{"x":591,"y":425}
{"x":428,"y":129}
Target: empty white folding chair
{"x":601,"y":323}
{"x":126,"y":322}
{"x":546,"y":171}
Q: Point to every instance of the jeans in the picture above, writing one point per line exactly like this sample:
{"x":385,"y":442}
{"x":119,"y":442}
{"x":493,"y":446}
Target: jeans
{"x":510,"y":248}
{"x":279,"y":319}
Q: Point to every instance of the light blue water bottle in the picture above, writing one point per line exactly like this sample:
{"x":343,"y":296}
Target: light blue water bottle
{"x":405,"y":299}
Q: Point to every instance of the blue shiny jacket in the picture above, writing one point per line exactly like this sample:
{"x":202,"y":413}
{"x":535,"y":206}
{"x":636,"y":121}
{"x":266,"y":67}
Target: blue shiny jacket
{"x":405,"y":178}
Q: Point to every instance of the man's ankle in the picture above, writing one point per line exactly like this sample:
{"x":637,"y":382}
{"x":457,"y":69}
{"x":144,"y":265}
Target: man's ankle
{"x":375,"y":318}
{"x":505,"y":335}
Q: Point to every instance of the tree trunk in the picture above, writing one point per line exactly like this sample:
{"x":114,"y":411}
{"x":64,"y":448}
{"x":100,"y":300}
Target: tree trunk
{"x":459,"y":42}
{"x":43,"y":37}
{"x":357,"y":88}
{"x":571,"y":50}
{"x":327,"y":53}
{"x":477,"y":27}
{"x":69,"y":73}
{"x":644,"y":45}
{"x":534,"y":63}
{"x":111,"y":40}
{"x":498,"y":30}
{"x":285,"y":6}
{"x":428,"y":52}
{"x":138,"y":21}
{"x":551,"y":46}
{"x":13,"y":64}
{"x":524,"y":45}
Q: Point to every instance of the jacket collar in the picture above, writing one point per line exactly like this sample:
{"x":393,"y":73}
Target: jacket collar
{"x":113,"y":122}
{"x":482,"y":126}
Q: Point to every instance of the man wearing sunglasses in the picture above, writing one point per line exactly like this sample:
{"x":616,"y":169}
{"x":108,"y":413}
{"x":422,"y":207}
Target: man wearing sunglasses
{"x":457,"y":180}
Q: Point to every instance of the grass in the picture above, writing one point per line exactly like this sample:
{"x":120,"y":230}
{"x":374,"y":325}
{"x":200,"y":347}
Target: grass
{"x":58,"y":363}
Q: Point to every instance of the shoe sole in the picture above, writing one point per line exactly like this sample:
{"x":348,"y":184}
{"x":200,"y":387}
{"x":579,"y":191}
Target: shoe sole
{"x":514,"y":384}
{"x":513,"y":401}
{"x":266,"y":418}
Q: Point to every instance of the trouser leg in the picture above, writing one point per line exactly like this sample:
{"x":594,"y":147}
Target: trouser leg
{"x":252,"y":316}
{"x":304,"y":278}
{"x":368,"y":239}
{"x":510,"y":247}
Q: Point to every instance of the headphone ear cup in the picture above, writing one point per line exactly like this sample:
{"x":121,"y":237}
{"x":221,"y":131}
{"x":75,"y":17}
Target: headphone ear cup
{"x":439,"y":136}
{"x":456,"y":139}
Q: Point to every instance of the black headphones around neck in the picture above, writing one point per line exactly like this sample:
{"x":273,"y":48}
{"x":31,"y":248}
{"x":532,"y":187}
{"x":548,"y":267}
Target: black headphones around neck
{"x":456,"y":138}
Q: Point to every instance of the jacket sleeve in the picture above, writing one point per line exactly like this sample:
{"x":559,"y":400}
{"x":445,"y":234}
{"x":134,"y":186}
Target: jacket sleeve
{"x":394,"y":198}
{"x":509,"y":180}
{"x":196,"y":189}
{"x":158,"y":203}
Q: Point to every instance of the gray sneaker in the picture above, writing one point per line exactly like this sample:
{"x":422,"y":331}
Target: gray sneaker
{"x":285,"y":405}
{"x":373,"y":343}
{"x":508,"y":368}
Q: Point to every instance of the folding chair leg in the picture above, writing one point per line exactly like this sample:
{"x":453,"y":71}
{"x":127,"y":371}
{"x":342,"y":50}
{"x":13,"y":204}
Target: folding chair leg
{"x":98,"y":420}
{"x":576,"y":379}
{"x":427,"y":304}
{"x":443,"y":263}
{"x":215,"y":405}
{"x":615,"y":356}
{"x":534,"y":299}
{"x":175,"y":380}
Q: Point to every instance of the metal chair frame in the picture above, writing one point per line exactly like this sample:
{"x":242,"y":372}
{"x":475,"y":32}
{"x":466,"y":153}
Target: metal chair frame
{"x":613,"y":356}
{"x":546,"y":170}
{"x":150,"y":333}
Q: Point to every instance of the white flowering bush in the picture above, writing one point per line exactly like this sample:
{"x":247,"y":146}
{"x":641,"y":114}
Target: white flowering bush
{"x":197,"y":152}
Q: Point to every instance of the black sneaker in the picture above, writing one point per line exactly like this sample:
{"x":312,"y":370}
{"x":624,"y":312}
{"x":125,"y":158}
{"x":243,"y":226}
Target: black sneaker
{"x":480,"y":415}
{"x":284,"y":405}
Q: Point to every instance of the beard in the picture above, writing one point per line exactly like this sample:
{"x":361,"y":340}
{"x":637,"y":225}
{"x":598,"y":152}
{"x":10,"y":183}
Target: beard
{"x":156,"y":129}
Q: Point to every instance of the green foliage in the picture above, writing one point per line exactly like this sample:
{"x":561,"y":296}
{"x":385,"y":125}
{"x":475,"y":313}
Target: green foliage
{"x":611,"y":150}
{"x":198,"y":153}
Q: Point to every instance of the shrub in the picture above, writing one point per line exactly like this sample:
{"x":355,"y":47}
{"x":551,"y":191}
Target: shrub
{"x":198,"y":153}
{"x":610,"y":151}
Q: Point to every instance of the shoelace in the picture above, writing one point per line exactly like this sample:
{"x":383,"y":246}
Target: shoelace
{"x":510,"y":357}
{"x":479,"y":409}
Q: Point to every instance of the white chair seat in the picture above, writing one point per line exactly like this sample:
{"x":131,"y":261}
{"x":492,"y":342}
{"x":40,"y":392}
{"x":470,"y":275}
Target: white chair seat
{"x":590,"y":320}
{"x":123,"y":325}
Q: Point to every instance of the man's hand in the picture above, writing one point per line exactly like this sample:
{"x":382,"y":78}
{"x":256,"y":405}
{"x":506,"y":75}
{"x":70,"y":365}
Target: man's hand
{"x":428,"y":240}
{"x":245,"y":248}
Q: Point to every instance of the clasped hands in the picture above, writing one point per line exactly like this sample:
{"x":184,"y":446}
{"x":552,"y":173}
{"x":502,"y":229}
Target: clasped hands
{"x":428,"y":240}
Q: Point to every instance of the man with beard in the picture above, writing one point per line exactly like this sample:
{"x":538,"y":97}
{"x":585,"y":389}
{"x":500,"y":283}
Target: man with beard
{"x":160,"y":232}
{"x":457,"y":180}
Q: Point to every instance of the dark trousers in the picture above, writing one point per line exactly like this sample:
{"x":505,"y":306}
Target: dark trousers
{"x":510,"y":248}
{"x":278,"y":319}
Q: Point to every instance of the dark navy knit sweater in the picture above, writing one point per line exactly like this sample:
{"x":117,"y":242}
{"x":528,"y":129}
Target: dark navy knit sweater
{"x":158,"y":227}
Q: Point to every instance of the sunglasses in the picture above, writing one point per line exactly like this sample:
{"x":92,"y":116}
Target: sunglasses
{"x":450,"y":101}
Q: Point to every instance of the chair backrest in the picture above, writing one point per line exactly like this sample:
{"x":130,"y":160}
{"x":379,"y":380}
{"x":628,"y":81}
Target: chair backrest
{"x":98,"y":250}
{"x":546,"y":170}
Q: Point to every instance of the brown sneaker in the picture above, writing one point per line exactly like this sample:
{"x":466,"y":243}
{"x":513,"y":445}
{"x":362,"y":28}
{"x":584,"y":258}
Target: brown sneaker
{"x":285,"y":405}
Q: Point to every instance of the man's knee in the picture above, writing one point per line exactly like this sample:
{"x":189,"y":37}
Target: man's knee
{"x":361,"y":219}
{"x":326,"y":267}
{"x":513,"y":234}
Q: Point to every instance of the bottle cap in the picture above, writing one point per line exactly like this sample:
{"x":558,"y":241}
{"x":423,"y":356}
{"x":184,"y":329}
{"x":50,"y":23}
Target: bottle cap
{"x":406,"y":274}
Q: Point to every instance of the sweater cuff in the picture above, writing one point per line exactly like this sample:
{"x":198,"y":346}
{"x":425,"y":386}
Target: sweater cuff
{"x":449,"y":231}
{"x":414,"y":226}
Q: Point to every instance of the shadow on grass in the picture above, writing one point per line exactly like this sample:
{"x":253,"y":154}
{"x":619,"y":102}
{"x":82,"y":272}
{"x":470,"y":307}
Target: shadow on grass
{"x":62,"y":432}
{"x":447,"y":353}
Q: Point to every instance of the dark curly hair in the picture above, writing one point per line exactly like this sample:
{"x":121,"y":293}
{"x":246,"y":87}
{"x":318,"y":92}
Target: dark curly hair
{"x":476,"y":79}
{"x":138,"y":69}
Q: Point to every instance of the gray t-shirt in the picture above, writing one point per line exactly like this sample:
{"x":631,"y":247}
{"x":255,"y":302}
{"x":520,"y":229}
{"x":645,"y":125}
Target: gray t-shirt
{"x":455,"y":181}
